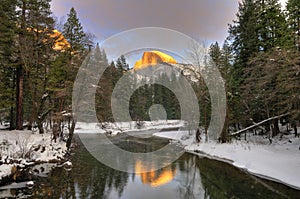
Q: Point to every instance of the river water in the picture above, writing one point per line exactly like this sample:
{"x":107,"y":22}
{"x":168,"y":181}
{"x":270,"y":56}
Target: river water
{"x":187,"y":178}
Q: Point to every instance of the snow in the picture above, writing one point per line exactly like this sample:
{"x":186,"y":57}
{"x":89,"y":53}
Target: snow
{"x":17,"y":185}
{"x":68,"y":164}
{"x":5,"y":170}
{"x":30,"y":184}
{"x":21,"y":148}
{"x":121,"y":127}
{"x":279,"y":161}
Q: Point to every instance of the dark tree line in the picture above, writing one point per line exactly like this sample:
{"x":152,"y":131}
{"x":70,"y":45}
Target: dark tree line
{"x":38,"y":64}
{"x":141,"y":100}
{"x":260,"y":63}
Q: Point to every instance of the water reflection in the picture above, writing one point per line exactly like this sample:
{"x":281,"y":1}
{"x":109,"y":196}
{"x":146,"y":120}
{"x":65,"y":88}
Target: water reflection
{"x":189,"y":177}
{"x":155,"y":178}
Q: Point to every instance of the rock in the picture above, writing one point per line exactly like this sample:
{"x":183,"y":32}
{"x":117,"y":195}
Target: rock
{"x":30,"y":184}
{"x":153,"y":58}
{"x":68,"y":165}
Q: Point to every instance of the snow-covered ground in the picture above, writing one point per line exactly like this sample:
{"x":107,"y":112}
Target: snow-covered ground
{"x":21,"y":148}
{"x":279,"y":161}
{"x":121,"y":127}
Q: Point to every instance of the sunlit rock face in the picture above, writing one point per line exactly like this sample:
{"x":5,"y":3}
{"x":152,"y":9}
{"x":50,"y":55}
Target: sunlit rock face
{"x":153,"y":58}
{"x":60,"y":42}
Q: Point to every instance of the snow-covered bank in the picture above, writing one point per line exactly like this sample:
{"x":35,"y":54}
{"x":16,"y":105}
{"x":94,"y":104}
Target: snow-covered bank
{"x":121,"y":127}
{"x":279,"y":161}
{"x":19,"y":149}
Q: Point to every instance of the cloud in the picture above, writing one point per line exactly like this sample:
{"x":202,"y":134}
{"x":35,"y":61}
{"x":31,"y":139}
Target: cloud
{"x":205,"y":19}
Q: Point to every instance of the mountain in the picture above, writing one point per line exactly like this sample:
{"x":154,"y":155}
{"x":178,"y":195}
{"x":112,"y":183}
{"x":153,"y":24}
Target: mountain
{"x":155,"y":63}
{"x":60,"y":42}
{"x":152,"y":58}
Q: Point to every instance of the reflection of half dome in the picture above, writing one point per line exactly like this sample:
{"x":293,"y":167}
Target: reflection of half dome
{"x":155,"y":178}
{"x":153,"y":58}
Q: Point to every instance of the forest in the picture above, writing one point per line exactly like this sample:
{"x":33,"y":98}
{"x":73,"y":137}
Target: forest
{"x":40,"y":56}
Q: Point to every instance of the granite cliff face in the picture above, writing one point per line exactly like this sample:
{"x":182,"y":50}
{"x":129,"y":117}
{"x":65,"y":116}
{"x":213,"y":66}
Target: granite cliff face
{"x":153,"y":58}
{"x":60,"y":42}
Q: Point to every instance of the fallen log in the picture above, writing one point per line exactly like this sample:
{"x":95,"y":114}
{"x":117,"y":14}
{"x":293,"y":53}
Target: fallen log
{"x":257,"y":124}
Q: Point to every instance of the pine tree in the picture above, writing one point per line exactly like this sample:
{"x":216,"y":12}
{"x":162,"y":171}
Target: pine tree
{"x":293,"y":17}
{"x":7,"y":60}
{"x":272,"y":87}
{"x":122,"y":65}
{"x":222,"y":58}
{"x":243,"y":35}
{"x":35,"y":50}
{"x":73,"y":31}
{"x":215,"y":53}
{"x":271,"y":25}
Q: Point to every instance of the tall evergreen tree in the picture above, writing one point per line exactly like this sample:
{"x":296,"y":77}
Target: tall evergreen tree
{"x":271,"y":25}
{"x":293,"y":17}
{"x":222,"y":58}
{"x":122,"y":65}
{"x":73,"y":31}
{"x":243,"y":35}
{"x":7,"y":59}
{"x":35,"y":49}
{"x":215,"y":53}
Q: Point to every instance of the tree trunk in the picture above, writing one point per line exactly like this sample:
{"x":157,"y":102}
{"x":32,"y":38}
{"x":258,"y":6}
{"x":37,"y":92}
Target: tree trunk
{"x":275,"y":128}
{"x":31,"y":119}
{"x":205,"y":122}
{"x":295,"y":130}
{"x":71,"y":133}
{"x":40,"y":126}
{"x":225,"y":130}
{"x":20,"y":73}
{"x":19,"y":95}
{"x":11,"y":122}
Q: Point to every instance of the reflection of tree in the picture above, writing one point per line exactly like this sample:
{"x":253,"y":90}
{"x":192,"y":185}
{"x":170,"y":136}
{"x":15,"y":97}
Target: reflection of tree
{"x":191,"y":181}
{"x":223,"y":181}
{"x":88,"y":179}
{"x":205,"y":178}
{"x":101,"y":179}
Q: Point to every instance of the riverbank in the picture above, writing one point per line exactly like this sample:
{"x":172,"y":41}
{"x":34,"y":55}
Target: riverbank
{"x":127,"y":127}
{"x":22,"y":149}
{"x":279,"y":161}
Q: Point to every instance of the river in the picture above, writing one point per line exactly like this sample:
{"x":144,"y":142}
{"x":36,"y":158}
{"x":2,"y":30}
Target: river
{"x":188,"y":177}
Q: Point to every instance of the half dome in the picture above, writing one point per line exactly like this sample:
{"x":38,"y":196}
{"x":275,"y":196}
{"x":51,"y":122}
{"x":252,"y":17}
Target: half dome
{"x":153,"y":58}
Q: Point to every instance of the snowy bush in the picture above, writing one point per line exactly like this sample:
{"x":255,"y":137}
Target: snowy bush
{"x":4,"y":148}
{"x":24,"y":145}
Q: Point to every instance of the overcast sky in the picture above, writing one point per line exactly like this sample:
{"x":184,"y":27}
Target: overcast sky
{"x":205,"y":20}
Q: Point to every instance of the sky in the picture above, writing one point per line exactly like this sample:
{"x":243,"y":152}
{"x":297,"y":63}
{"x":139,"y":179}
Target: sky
{"x":204,"y":20}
